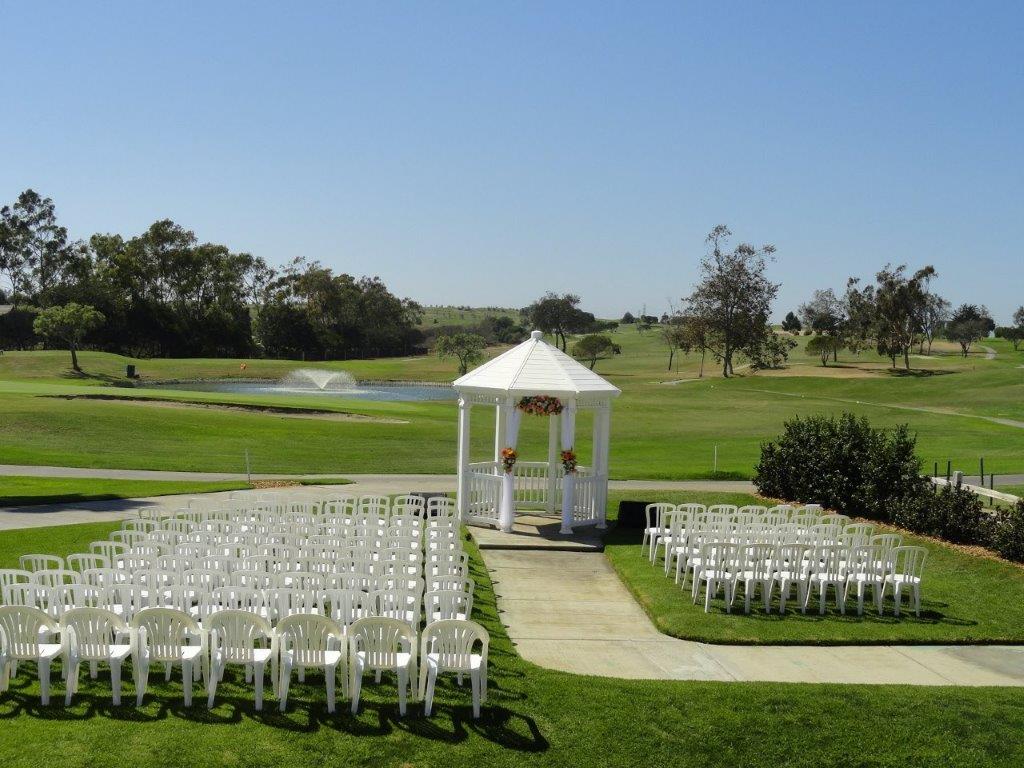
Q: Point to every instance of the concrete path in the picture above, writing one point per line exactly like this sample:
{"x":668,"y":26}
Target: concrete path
{"x":569,"y":611}
{"x":422,"y":482}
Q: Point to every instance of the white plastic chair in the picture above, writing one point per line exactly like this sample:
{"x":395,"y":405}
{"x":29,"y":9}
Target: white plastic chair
{"x":906,"y":573}
{"x":92,"y":635}
{"x":827,"y":569}
{"x":446,"y":604}
{"x":790,"y":567}
{"x":866,"y":567}
{"x":309,"y":640}
{"x":172,"y":637}
{"x":447,"y":646}
{"x":26,"y":634}
{"x":378,"y":644}
{"x":241,"y":637}
{"x":40,"y":562}
{"x":656,"y":527}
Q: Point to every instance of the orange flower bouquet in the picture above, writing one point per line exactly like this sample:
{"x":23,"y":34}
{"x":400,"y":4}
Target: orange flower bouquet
{"x":508,"y":458}
{"x":569,"y":461}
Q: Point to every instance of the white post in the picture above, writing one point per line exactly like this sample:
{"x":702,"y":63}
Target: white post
{"x":602,"y":438}
{"x":568,"y":429}
{"x":462,"y":495}
{"x":500,"y":421}
{"x":553,"y":463}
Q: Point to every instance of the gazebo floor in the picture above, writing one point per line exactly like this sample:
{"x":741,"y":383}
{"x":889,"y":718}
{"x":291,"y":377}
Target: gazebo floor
{"x":537,"y":532}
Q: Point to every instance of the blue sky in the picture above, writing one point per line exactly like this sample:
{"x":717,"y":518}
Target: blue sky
{"x":482,"y":153}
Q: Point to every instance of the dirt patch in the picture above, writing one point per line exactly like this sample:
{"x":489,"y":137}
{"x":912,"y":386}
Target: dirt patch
{"x":288,"y":413}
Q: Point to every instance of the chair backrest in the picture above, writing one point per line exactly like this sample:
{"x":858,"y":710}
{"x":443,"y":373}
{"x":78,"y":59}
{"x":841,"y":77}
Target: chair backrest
{"x":888,"y":542}
{"x":345,"y":605}
{"x":55,"y":577}
{"x":131,"y":598}
{"x":868,"y":561}
{"x":828,"y":561}
{"x":401,"y":604}
{"x":758,"y":560}
{"x":85,"y":561}
{"x":109,"y":549}
{"x":381,"y":640}
{"x":791,"y":559}
{"x":236,"y":634}
{"x":165,"y":631}
{"x":21,"y":627}
{"x":908,"y":562}
{"x":9,"y":576}
{"x":457,"y":583}
{"x":30,"y":595}
{"x":308,"y":637}
{"x":237,"y":599}
{"x":104,"y":577}
{"x":450,"y":643}
{"x":252,"y":579}
{"x":655,"y":513}
{"x":67,"y":597}
{"x":283,"y":602}
{"x":94,"y":630}
{"x":443,"y":604}
{"x":40,"y":562}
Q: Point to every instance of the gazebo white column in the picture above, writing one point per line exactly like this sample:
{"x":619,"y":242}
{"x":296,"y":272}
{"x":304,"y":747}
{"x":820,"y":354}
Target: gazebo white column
{"x":554,"y":429}
{"x":465,"y":408}
{"x":601,"y":435}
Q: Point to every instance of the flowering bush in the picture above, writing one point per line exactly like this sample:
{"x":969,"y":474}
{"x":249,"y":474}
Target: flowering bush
{"x":508,"y":458}
{"x":540,"y":405}
{"x":568,"y":461}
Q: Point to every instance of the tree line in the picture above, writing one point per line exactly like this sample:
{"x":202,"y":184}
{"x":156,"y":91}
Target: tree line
{"x":163,"y":293}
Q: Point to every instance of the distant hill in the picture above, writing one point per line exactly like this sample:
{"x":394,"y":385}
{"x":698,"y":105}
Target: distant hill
{"x":452,"y":315}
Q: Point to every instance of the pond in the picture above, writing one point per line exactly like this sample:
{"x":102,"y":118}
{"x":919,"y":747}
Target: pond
{"x":320,"y":383}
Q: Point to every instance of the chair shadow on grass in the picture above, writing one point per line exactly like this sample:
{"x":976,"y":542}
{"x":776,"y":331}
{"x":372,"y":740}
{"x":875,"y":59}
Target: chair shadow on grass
{"x":306,"y":712}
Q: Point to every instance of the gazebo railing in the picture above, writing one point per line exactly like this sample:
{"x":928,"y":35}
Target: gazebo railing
{"x":531,"y":490}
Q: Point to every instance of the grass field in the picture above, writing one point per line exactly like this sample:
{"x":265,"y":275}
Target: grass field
{"x":966,"y":599}
{"x":533,"y":717}
{"x":961,"y":409}
{"x":18,"y":490}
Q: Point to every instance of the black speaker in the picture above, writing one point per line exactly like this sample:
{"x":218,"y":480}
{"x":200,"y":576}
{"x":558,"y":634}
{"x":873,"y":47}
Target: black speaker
{"x":632,"y":514}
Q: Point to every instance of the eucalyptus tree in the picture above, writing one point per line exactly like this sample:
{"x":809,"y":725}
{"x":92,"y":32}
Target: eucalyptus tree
{"x":734,"y":296}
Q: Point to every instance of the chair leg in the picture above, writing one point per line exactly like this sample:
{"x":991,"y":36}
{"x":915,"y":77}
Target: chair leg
{"x":141,"y":681}
{"x":355,"y":687}
{"x":474,"y":679}
{"x":187,"y":681}
{"x":94,"y":670}
{"x":258,"y":673}
{"x":211,"y":684}
{"x":917,"y":600}
{"x":115,"y":681}
{"x":403,"y":689}
{"x":330,"y":677}
{"x":896,"y":597}
{"x":44,"y":681}
{"x":282,"y":685}
{"x":428,"y":696}
{"x":71,"y":671}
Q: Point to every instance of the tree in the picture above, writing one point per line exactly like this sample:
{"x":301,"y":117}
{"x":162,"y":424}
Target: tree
{"x":771,"y":352}
{"x":468,"y":348}
{"x":970,"y":323}
{"x":791,"y":323}
{"x":825,"y":314}
{"x":898,"y":302}
{"x":69,"y":323}
{"x":673,"y":333}
{"x":933,"y":311}
{"x":1012,"y":334}
{"x":859,"y":306}
{"x":594,"y":347}
{"x":823,"y":346}
{"x":628,"y":319}
{"x":559,"y":316}
{"x":733,"y":297}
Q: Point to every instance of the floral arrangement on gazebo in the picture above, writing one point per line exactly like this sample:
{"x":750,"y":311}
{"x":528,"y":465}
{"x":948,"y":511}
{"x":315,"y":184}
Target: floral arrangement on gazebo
{"x":540,"y":405}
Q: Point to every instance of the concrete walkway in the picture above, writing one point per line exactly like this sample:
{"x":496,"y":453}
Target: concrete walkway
{"x":569,"y":611}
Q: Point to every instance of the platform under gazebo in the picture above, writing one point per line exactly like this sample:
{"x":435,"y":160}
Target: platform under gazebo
{"x":535,"y":380}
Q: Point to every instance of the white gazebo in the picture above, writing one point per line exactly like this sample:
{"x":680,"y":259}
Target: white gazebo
{"x":535,"y":377}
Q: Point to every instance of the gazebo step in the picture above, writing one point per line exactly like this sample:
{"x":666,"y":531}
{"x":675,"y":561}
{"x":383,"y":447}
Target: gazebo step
{"x":538,"y":533}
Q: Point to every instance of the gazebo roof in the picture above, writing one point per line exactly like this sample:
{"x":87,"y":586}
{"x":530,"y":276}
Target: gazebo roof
{"x":535,"y":368}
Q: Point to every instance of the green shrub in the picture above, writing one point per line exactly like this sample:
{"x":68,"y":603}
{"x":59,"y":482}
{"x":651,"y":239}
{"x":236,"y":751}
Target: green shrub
{"x":949,"y":513}
{"x":842,"y":463}
{"x":1008,"y":532}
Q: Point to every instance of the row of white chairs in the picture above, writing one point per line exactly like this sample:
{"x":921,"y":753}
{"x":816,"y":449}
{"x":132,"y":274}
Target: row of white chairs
{"x":725,"y":548}
{"x":231,"y":637}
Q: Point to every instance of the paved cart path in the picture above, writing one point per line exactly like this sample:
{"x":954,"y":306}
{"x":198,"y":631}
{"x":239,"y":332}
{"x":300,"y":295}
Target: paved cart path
{"x":569,"y":611}
{"x":102,"y":511}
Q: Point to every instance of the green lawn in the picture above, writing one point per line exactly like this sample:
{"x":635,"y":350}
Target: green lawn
{"x":660,"y":430}
{"x":965,"y":599}
{"x":19,"y":490}
{"x":533,"y":717}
